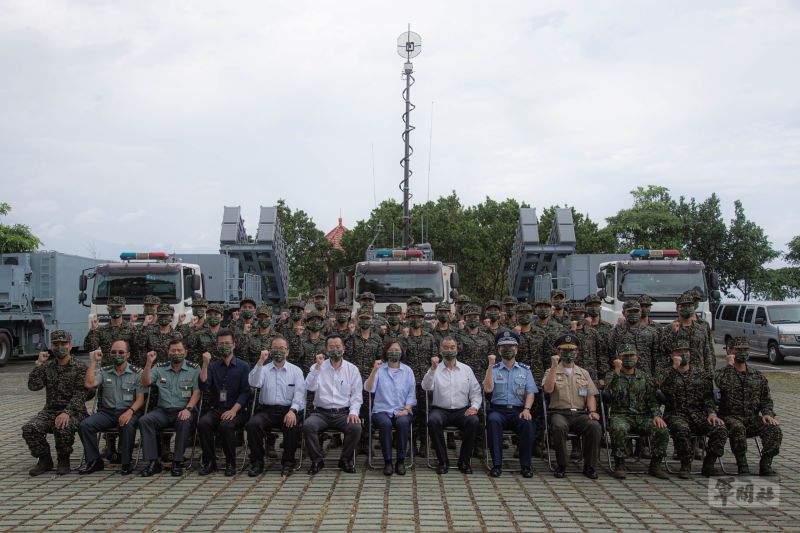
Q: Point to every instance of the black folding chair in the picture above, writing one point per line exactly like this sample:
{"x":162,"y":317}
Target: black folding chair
{"x":276,"y":432}
{"x":729,"y":470}
{"x":374,"y":431}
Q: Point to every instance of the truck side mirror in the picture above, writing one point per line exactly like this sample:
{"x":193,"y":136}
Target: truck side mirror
{"x":83,"y":282}
{"x":714,"y":280}
{"x":602,"y":294}
{"x":453,"y":294}
{"x":196,"y":282}
{"x":196,"y":295}
{"x":716,"y":295}
{"x":760,"y":321}
{"x":454,"y":281}
{"x":600,"y":278}
{"x":81,"y":297}
{"x":341,"y":281}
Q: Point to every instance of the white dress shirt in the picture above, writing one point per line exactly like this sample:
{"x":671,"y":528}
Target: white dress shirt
{"x":336,"y":388}
{"x":453,"y":388}
{"x":279,"y":386}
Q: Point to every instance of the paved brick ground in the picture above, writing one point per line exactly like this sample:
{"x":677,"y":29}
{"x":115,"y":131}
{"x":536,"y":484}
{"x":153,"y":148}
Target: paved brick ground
{"x":367,"y":501}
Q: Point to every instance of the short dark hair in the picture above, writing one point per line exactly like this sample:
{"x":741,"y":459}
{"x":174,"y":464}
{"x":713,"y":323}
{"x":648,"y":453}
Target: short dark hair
{"x":448,"y":338}
{"x":388,"y":344}
{"x":173,"y":342}
{"x":333,"y":336}
{"x":127,"y":344}
{"x":226,"y":332}
{"x":278,"y":338}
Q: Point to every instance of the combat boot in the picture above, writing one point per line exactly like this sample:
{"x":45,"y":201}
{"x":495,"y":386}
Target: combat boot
{"x":686,"y":469}
{"x":619,"y":468}
{"x":655,"y":469}
{"x":742,"y":466}
{"x":45,"y":464}
{"x":765,"y":467}
{"x":63,"y":467}
{"x":710,"y":466}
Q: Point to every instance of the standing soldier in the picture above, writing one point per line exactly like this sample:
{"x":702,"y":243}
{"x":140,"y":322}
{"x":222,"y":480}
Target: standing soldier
{"x":492,"y":324}
{"x":509,"y":312}
{"x":462,"y":300}
{"x":362,"y":348}
{"x":690,"y":410}
{"x":534,"y":349}
{"x":544,"y":320}
{"x":342,"y":316}
{"x":634,"y":408}
{"x":65,"y":404}
{"x":394,"y":326}
{"x":687,"y":327}
{"x":320,"y":302}
{"x":444,"y":327}
{"x":102,"y":337}
{"x":645,"y":338}
{"x":312,"y":341}
{"x":476,"y":343}
{"x":367,"y":299}
{"x":293,"y":320}
{"x":204,"y":339}
{"x":150,"y":304}
{"x":246,"y":317}
{"x":591,"y":355}
{"x":558,"y":299}
{"x":199,"y":309}
{"x":416,"y":303}
{"x":646,"y":304}
{"x":418,"y":347}
{"x":158,"y":339}
{"x":260,"y":338}
{"x":593,"y":305}
{"x":747,"y":409}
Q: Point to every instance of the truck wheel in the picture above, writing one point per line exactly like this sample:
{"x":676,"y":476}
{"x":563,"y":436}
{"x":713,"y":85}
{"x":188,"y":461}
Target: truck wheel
{"x":5,"y":349}
{"x":774,"y":354}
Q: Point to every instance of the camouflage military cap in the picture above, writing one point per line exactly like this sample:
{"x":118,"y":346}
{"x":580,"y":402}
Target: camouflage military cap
{"x":394,"y":308}
{"x":685,"y":298}
{"x":739,"y":343}
{"x":414,"y":300}
{"x":342,"y":307}
{"x":645,"y":300}
{"x":365,"y":310}
{"x":541,"y":301}
{"x":568,"y":341}
{"x":199,"y":302}
{"x":218,"y":308}
{"x":319,"y":293}
{"x":510,"y":300}
{"x":415,"y":311}
{"x":592,"y":299}
{"x":472,"y":309}
{"x":443,"y":306}
{"x":463,"y":299}
{"x":297,"y":304}
{"x":60,"y":335}
{"x":116,"y":301}
{"x":314,"y":314}
{"x":151,"y":300}
{"x":264,"y":310}
{"x":694,"y":294}
{"x":577,"y":307}
{"x":558,"y":292}
{"x":631,"y":304}
{"x":525,"y":307}
{"x":492,"y":303}
{"x":248,"y":301}
{"x":679,"y":344}
{"x":366,"y":296}
{"x":165,"y":309}
{"x":627,"y":349}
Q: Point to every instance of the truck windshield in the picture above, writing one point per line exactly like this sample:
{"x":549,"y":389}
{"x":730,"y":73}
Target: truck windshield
{"x":784,"y":314}
{"x":661,"y":284}
{"x":134,"y":287}
{"x":396,"y":287}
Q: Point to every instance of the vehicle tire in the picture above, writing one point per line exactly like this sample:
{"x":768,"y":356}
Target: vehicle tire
{"x":774,"y":354}
{"x":5,"y":349}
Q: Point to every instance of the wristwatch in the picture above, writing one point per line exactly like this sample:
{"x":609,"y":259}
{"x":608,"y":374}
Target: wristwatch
{"x":292,"y":409}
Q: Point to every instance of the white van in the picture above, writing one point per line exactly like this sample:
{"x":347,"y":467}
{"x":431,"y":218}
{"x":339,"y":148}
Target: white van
{"x":773,"y":328}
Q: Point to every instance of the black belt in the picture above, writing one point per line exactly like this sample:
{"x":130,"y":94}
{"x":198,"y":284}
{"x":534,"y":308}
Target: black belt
{"x":334,"y":411}
{"x":506,"y":407}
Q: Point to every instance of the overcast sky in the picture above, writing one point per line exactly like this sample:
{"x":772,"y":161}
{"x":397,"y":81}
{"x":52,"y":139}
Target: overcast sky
{"x":131,"y":124}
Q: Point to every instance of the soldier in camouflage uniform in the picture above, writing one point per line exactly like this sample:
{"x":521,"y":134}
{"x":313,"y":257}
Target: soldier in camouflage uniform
{"x":646,"y":304}
{"x":320,"y":302}
{"x":544,"y":320}
{"x":509,"y":312}
{"x":102,"y":337}
{"x":199,"y":310}
{"x":418,"y":348}
{"x":591,"y":356}
{"x":150,"y":304}
{"x":461,"y":301}
{"x":476,"y":343}
{"x":444,"y":327}
{"x":747,"y":409}
{"x":558,"y":300}
{"x":367,"y":299}
{"x":312,"y":341}
{"x":645,"y":338}
{"x":687,"y":327}
{"x":204,"y":339}
{"x":492,"y":325}
{"x":593,"y":305}
{"x":535,"y":349}
{"x":415,"y":303}
{"x":690,"y":410}
{"x":260,"y":338}
{"x":634,"y":409}
{"x":293,"y":320}
{"x":394,"y":324}
{"x":362,"y":348}
{"x":246,"y":322}
{"x":342,"y":325}
{"x":65,"y":404}
{"x":158,"y":339}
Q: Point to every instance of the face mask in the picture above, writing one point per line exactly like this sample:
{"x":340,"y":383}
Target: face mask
{"x":741,"y":356}
{"x":278,"y":356}
{"x":176,"y":358}
{"x":416,"y":323}
{"x":265,"y":323}
{"x":633,"y":318}
{"x":443,"y":317}
{"x":686,"y":312}
{"x":149,"y":310}
{"x":509,"y":312}
{"x":578,"y":319}
{"x":296,"y":315}
{"x":568,"y":356}
{"x":225,"y":349}
{"x":542,"y":314}
{"x":524,"y":319}
{"x":507,"y":353}
{"x":164,"y":320}
{"x":392,"y":320}
{"x":61,"y":353}
{"x":645,"y":311}
{"x":335,"y":354}
{"x":558,"y":304}
{"x":118,"y":359}
{"x":592,"y":311}
{"x":684,"y":359}
{"x":365,"y":324}
{"x":214,"y":320}
{"x":449,"y":355}
{"x":114,"y":313}
{"x":341,"y":319}
{"x":200,"y":313}
{"x":319,"y":306}
{"x":315,"y":326}
{"x":629,"y":363}
{"x":473,"y":322}
{"x":494,"y":316}
{"x":393,"y":357}
{"x":247,"y":314}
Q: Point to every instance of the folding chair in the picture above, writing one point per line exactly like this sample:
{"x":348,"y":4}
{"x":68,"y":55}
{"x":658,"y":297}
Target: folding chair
{"x":634,"y":437}
{"x":374,"y":431}
{"x":507,"y":434}
{"x":256,"y":392}
{"x":570,"y":435}
{"x":734,"y":469}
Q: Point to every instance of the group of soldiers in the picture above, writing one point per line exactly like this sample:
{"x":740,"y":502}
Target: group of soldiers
{"x":637,"y":364}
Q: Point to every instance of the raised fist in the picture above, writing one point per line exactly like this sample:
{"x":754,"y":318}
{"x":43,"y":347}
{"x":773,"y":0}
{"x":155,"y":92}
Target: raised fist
{"x":94,"y":322}
{"x":406,"y":331}
{"x":248,"y":327}
{"x":461,"y":324}
{"x":617,"y":365}
{"x":284,"y":316}
{"x":235,"y":316}
{"x":149,"y":320}
{"x":134,"y":318}
{"x":206,"y":358}
{"x":151,"y":357}
{"x":181,"y":317}
{"x":262,"y":358}
{"x":97,"y":355}
{"x":492,"y":359}
{"x":320,"y":359}
{"x":554,"y":360}
{"x":351,"y":328}
{"x":378,"y":364}
{"x":43,"y":357}
{"x":434,"y":362}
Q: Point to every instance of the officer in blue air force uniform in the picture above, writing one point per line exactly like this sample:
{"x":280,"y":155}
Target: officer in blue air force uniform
{"x":512,"y":390}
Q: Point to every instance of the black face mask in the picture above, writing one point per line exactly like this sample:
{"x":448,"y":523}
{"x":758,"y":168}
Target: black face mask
{"x":115,"y":313}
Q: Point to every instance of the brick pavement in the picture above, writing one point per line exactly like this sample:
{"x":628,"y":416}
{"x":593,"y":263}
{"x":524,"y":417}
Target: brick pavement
{"x":367,"y":501}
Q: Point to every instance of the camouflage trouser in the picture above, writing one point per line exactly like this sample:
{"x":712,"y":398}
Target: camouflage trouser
{"x":621,"y":425}
{"x":36,"y":429}
{"x":739,"y":428}
{"x":682,"y":427}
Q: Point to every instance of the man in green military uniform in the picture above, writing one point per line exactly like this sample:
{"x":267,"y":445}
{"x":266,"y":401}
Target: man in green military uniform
{"x":246,"y":317}
{"x":476,"y":344}
{"x":150,"y":304}
{"x":492,"y":324}
{"x":362,"y":348}
{"x":342,"y":324}
{"x":747,"y":409}
{"x":645,"y":338}
{"x":690,"y":409}
{"x":415,"y":303}
{"x":444,"y":327}
{"x":591,"y":355}
{"x":544,"y":318}
{"x":461,"y":301}
{"x":509,"y":312}
{"x":646,"y":304}
{"x":260,"y":338}
{"x":418,"y":348}
{"x":65,"y":406}
{"x":634,"y":409}
{"x":312,"y":341}
{"x":558,"y":301}
{"x":204,"y":339}
{"x":593,"y":305}
{"x":158,"y":339}
{"x":320,"y":300}
{"x":394,"y":324}
{"x":103,"y":336}
{"x":120,"y":406}
{"x":367,"y":299}
{"x":199,"y":310}
{"x":687,"y":327}
{"x":293,"y":319}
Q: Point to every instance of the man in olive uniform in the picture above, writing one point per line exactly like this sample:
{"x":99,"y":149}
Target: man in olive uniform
{"x":645,"y":338}
{"x":535,"y":349}
{"x":646,"y":304}
{"x":686,"y":327}
{"x":158,"y":339}
{"x":492,"y":325}
{"x":260,"y":338}
{"x":418,"y":347}
{"x":199,"y":309}
{"x":593,"y":305}
{"x":415,"y":303}
{"x":150,"y":304}
{"x":367,"y":299}
{"x":320,"y":302}
{"x":444,"y":327}
{"x":394,"y":324}
{"x":362,"y":348}
{"x":292,"y":320}
{"x":476,"y":344}
{"x":312,"y":341}
{"x":204,"y":339}
{"x":592,"y":356}
{"x":747,"y":409}
{"x":65,"y":404}
{"x":103,"y":336}
{"x":690,"y":409}
{"x":342,"y":320}
{"x":634,"y":409}
{"x":120,"y":405}
{"x":558,"y":300}
{"x":544,"y":319}
{"x":509,"y":312}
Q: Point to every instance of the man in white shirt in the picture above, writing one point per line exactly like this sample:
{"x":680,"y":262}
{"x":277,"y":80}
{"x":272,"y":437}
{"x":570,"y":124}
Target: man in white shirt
{"x":456,"y":401}
{"x":282,"y":398}
{"x":337,"y":387}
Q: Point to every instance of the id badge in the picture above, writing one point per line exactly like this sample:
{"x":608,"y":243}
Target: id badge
{"x":223,"y":396}
{"x":583,"y":391}
{"x":186,"y":394}
{"x":520,"y":391}
{"x":127,"y":397}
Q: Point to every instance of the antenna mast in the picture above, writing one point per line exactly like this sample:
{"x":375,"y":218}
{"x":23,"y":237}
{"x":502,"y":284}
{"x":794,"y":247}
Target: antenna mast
{"x":409,"y":44}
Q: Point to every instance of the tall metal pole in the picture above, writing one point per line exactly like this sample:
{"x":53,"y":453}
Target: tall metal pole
{"x":406,"y":173}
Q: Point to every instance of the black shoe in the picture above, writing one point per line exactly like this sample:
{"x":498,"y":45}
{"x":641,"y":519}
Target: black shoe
{"x":589,"y":472}
{"x":177,"y":469}
{"x":126,"y":470}
{"x":63,"y":466}
{"x":464,"y":468}
{"x":400,"y":468}
{"x":527,"y":471}
{"x":387,"y":469}
{"x":94,"y":466}
{"x":442,"y":469}
{"x":256,"y":469}
{"x":114,"y":458}
{"x":45,"y":464}
{"x":315,"y":468}
{"x":287,"y":470}
{"x":496,"y":471}
{"x":230,"y":469}
{"x":559,"y":472}
{"x":207,"y":468}
{"x":153,"y":467}
{"x":347,"y":466}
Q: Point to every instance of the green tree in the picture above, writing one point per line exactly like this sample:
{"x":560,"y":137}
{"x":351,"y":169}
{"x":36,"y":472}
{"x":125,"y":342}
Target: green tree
{"x":793,"y":255}
{"x":652,"y":222}
{"x":17,"y":238}
{"x":306,"y":248}
{"x":777,"y":284}
{"x":747,"y":250}
{"x":590,"y":239}
{"x":704,"y":232}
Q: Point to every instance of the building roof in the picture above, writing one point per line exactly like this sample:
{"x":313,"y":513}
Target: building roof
{"x":335,"y":235}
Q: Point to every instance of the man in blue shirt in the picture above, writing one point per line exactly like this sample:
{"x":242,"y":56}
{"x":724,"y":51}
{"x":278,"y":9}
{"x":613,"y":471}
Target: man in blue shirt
{"x":226,"y":379}
{"x":512,"y":387}
{"x":395,"y":389}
